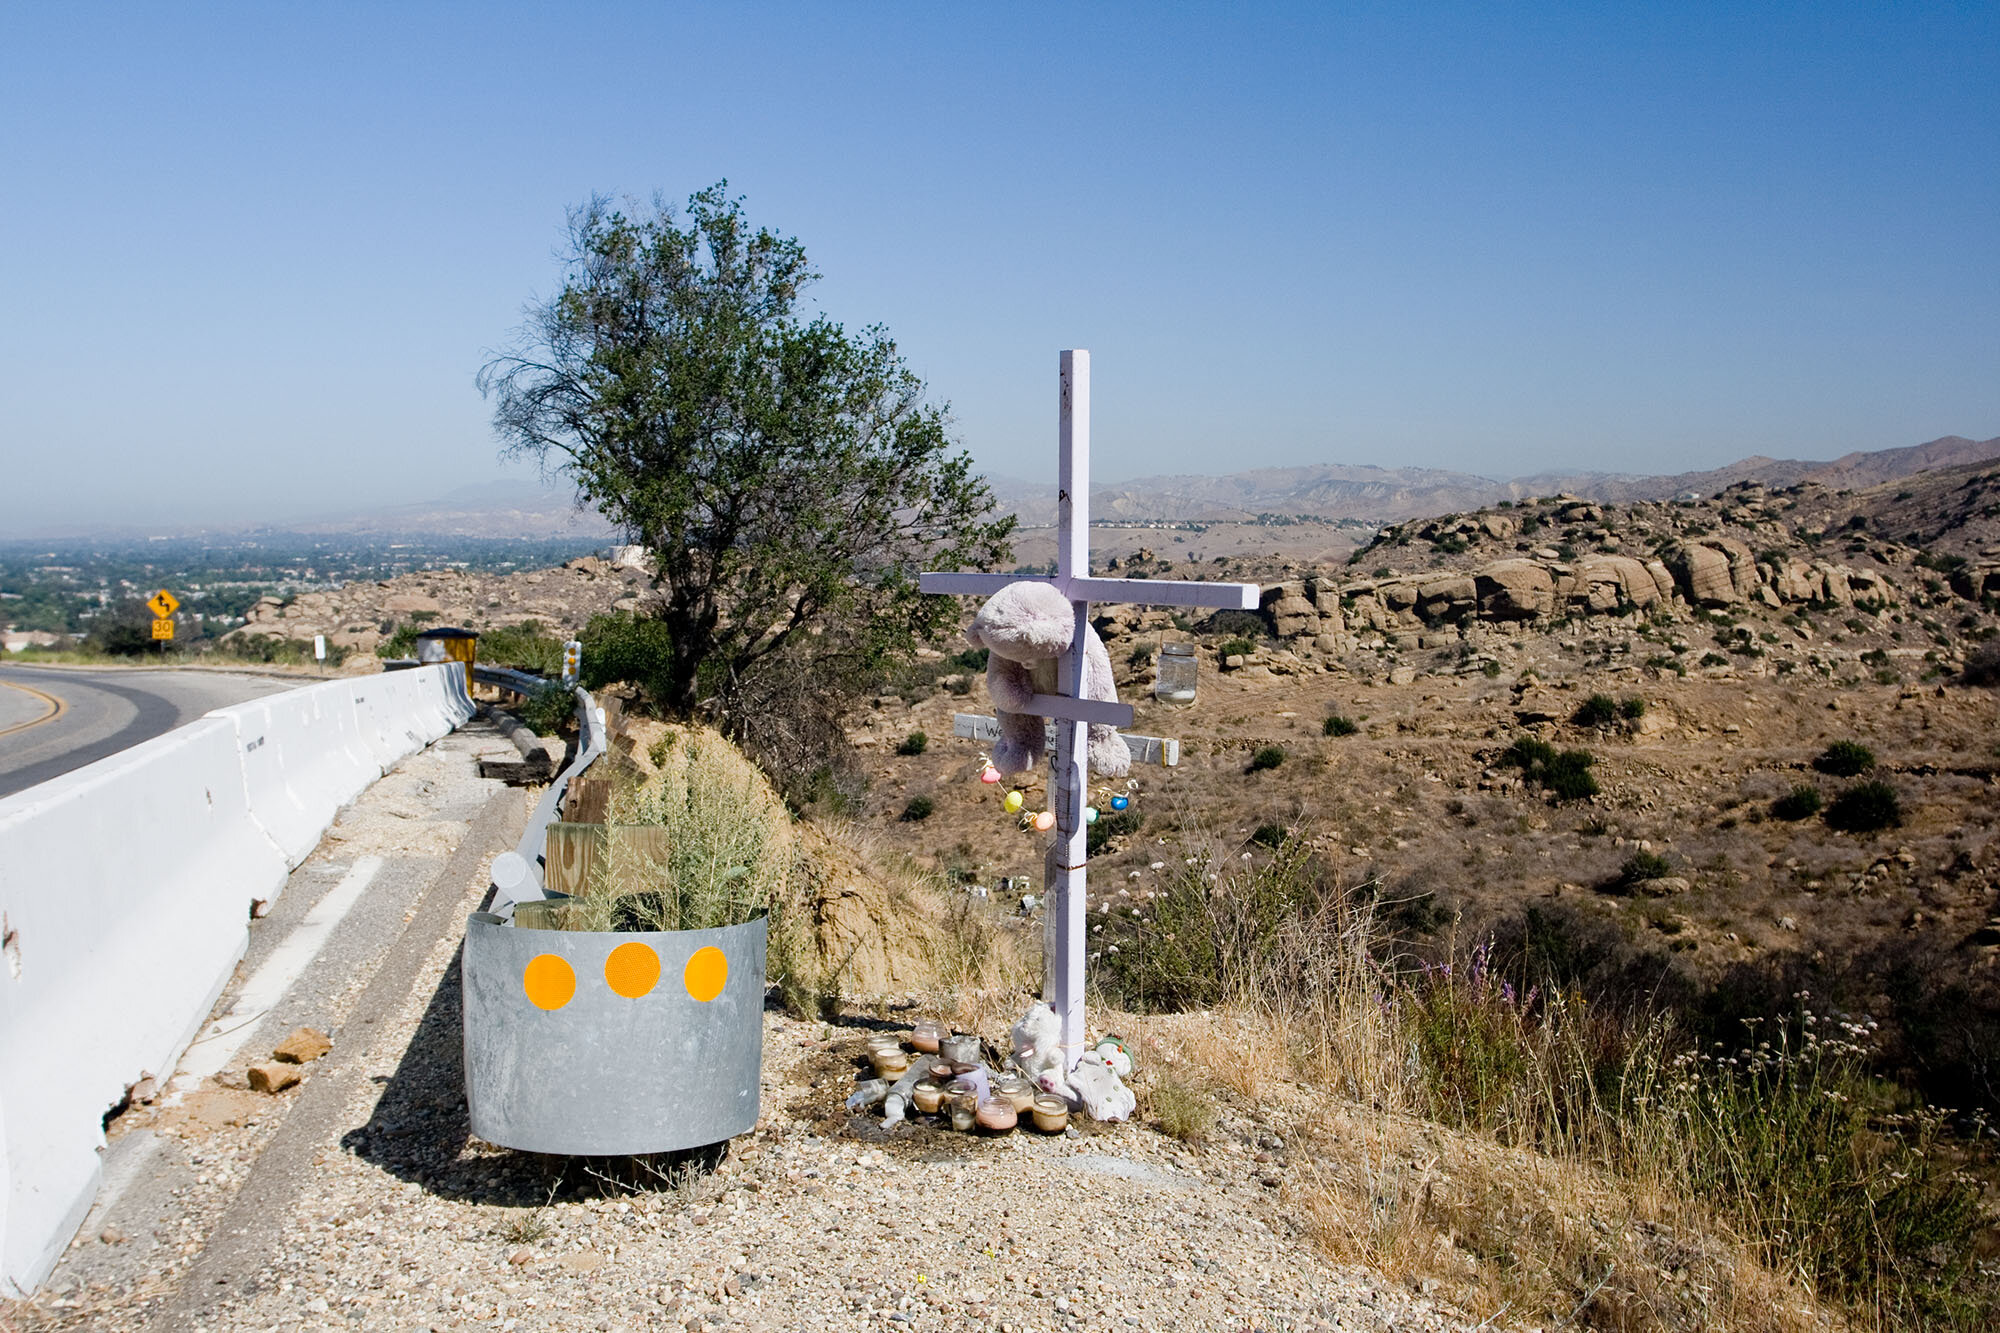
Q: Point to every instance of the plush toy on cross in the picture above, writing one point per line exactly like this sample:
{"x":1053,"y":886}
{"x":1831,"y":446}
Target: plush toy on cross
{"x":1026,"y":628}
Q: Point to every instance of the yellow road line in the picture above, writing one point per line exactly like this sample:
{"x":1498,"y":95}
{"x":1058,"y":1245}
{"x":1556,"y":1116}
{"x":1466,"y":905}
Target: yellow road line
{"x":56,"y":708}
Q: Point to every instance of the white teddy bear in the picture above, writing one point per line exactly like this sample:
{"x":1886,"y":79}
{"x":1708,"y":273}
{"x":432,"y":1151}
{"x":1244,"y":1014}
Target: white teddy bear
{"x":1025,"y":628}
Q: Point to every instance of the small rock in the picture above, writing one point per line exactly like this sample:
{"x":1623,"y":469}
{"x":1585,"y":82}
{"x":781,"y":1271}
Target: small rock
{"x":272,"y":1077}
{"x":522,"y":1256}
{"x":112,"y":1236}
{"x":303,"y":1047}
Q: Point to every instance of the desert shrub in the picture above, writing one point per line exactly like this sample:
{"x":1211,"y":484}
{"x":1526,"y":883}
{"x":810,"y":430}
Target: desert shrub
{"x":1713,"y":660}
{"x":1599,"y":710}
{"x":621,"y":648}
{"x":1237,"y":648}
{"x":1564,"y":774}
{"x":523,"y":647}
{"x":1864,"y":808}
{"x":1982,"y":664}
{"x":548,"y":709}
{"x":1801,"y":802}
{"x":1339,"y":725}
{"x":1201,"y":941}
{"x":1183,"y":1111}
{"x":1642,"y":866}
{"x":277,"y":649}
{"x":1141,"y":656}
{"x":971,"y":659}
{"x":1845,"y":759}
{"x":913,"y":744}
{"x":1097,"y":835}
{"x":1269,"y":835}
{"x":401,"y":644}
{"x":1632,"y":708}
{"x":1269,"y":756}
{"x":920,"y":807}
{"x":726,"y":856}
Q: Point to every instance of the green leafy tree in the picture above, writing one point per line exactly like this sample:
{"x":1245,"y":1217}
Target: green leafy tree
{"x":788,"y":477}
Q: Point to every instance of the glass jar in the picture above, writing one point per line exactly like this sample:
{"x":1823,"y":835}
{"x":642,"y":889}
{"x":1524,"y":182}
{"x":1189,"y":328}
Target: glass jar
{"x":1175,"y":683}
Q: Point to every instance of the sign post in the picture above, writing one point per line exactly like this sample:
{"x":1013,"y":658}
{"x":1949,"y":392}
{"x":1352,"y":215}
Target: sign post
{"x":1069,"y":782}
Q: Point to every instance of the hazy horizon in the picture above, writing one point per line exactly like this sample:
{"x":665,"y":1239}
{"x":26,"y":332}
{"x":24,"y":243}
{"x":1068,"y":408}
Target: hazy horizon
{"x":257,"y":256}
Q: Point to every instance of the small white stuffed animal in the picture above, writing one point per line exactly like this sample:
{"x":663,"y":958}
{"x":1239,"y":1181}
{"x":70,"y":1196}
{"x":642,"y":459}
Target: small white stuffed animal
{"x":1025,"y":628}
{"x":1098,"y":1087}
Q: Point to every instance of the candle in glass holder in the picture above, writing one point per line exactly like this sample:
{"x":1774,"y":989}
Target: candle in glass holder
{"x":927,"y":1096}
{"x":1051,"y":1114}
{"x":964,"y":1112}
{"x":890,"y":1064}
{"x":1016,"y":1091}
{"x":995,"y":1115}
{"x":926,"y":1035}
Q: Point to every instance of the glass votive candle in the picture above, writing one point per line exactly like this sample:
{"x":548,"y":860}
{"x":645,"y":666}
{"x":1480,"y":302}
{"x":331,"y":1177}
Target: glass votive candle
{"x":1051,"y":1114}
{"x":890,"y":1064}
{"x":1015,"y":1091}
{"x":926,"y":1035}
{"x":927,"y":1097}
{"x":964,"y":1113}
{"x":995,"y":1115}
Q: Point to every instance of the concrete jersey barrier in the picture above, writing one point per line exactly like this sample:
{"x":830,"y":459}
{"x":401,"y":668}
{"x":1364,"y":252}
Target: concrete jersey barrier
{"x":125,"y":890}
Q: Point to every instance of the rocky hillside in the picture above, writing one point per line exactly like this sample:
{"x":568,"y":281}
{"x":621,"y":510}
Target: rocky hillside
{"x":1802,"y":577}
{"x":360,"y":616}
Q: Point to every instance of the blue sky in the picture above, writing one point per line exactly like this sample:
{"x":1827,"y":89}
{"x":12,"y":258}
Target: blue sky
{"x":251,"y":258}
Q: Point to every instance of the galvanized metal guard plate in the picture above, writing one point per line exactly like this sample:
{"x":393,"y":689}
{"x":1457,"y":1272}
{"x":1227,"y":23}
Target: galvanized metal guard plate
{"x":600,"y":1043}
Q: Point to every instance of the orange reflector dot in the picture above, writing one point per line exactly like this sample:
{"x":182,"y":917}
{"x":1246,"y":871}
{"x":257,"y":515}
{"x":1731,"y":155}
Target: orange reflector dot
{"x":632,"y":970}
{"x":705,"y":974}
{"x":549,"y":981}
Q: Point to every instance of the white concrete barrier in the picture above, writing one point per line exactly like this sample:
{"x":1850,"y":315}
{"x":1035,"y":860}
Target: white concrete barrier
{"x":297,"y":766}
{"x":125,"y":890}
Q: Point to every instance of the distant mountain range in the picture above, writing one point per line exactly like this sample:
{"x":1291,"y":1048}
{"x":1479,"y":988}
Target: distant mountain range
{"x":537,"y":511}
{"x":1393,"y":494}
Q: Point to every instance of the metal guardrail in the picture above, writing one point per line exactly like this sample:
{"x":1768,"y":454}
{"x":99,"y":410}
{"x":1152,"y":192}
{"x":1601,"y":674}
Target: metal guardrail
{"x":517,"y":875}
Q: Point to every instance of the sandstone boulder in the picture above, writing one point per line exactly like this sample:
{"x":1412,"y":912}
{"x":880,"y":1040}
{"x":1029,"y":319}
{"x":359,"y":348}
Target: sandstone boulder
{"x":1702,"y":572}
{"x":1448,"y":599}
{"x":1514,"y":590}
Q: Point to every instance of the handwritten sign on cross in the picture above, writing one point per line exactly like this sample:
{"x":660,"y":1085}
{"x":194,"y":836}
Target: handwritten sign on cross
{"x":1068,"y":782}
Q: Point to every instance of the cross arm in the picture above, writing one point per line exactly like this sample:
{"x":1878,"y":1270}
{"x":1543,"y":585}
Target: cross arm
{"x":969,"y":585}
{"x":1165,"y":592}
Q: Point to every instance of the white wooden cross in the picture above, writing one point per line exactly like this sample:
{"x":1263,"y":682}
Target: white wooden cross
{"x":1069,"y":782}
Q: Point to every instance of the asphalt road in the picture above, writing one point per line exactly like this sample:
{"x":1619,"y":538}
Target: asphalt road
{"x":102,"y":712}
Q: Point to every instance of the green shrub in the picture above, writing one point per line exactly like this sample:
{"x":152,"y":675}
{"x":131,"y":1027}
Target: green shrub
{"x":623,"y":648}
{"x":1801,"y":802}
{"x":1642,"y":866}
{"x":1098,"y":834}
{"x":1270,"y":756}
{"x":1269,"y":835}
{"x":1565,"y":774}
{"x":1845,"y":759}
{"x":1632,"y":708}
{"x":523,"y":647}
{"x":400,"y":645}
{"x":1237,"y":648}
{"x":1568,"y":777}
{"x":1599,"y":710}
{"x":1141,"y":656}
{"x":1339,"y":725}
{"x":1864,"y":808}
{"x":547,"y":709}
{"x":920,"y":807}
{"x":914,"y":743}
